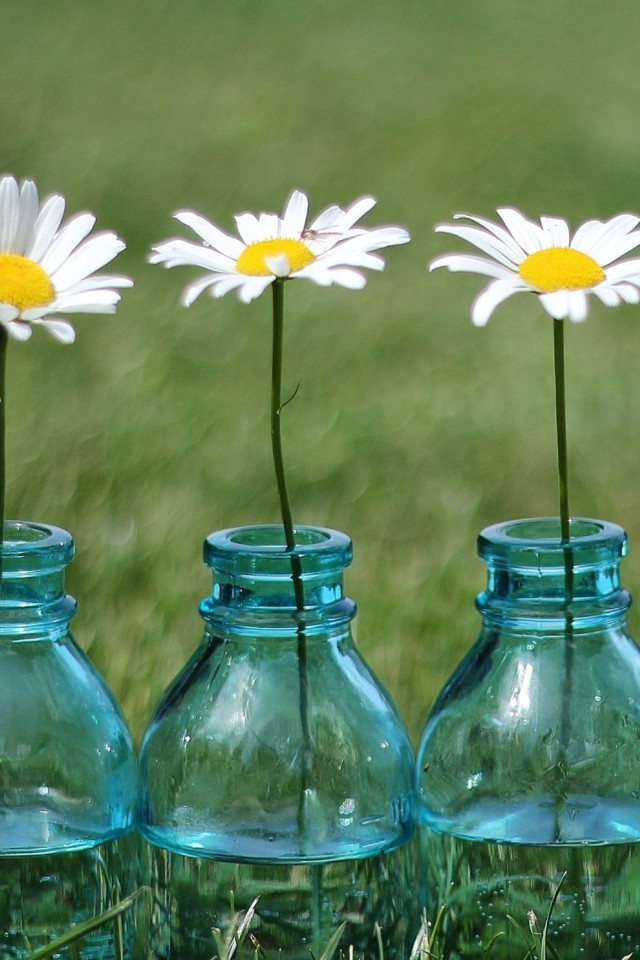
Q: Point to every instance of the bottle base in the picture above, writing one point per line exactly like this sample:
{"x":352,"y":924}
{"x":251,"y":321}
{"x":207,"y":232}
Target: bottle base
{"x":43,"y":896}
{"x":299,"y":905}
{"x":481,"y":885}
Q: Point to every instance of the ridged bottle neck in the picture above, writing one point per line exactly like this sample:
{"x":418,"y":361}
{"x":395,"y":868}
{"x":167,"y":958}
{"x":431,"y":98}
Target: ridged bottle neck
{"x":32,"y":597}
{"x":538,"y":581}
{"x":253,"y":587}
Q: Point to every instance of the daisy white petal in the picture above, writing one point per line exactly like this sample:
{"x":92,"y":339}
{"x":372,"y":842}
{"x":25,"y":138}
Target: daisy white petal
{"x":278,"y":265}
{"x":624,"y":270}
{"x":66,"y":241}
{"x":353,"y":258}
{"x":561,"y":270}
{"x":295,"y":215}
{"x":484,"y":241}
{"x":316,"y":272}
{"x":99,"y":283}
{"x":253,"y":287}
{"x":223,"y":285}
{"x":191,"y":292}
{"x":556,"y":304}
{"x":516,"y":252}
{"x":175,"y":253}
{"x":527,"y":234}
{"x":377,"y":238}
{"x":490,"y":298}
{"x":18,"y":330}
{"x":269,"y":225}
{"x":607,"y":295}
{"x":249,"y":228}
{"x":90,"y":256}
{"x":345,"y":277}
{"x":35,"y":313}
{"x":49,"y":219}
{"x":44,"y":267}
{"x":9,"y":213}
{"x":328,"y":219}
{"x":356,"y":211}
{"x":27,"y":216}
{"x":614,"y":230}
{"x":557,"y":230}
{"x":220,"y":241}
{"x":8,"y":312}
{"x":586,"y":235}
{"x":578,"y":306}
{"x":629,"y":293}
{"x":466,"y":263}
{"x":92,"y":301}
{"x":273,"y":247}
{"x":618,"y":247}
{"x":59,"y":329}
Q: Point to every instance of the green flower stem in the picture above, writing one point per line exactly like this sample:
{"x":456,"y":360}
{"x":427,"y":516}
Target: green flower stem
{"x":4,"y":336}
{"x":290,"y":540}
{"x":561,"y":426}
{"x":565,"y":533}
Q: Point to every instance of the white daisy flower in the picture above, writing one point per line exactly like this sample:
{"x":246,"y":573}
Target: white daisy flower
{"x":46,"y":269}
{"x":544,"y":259}
{"x":272,"y":247}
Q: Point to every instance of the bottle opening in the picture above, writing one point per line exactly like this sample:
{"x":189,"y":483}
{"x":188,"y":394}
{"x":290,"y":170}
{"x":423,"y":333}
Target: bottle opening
{"x":273,"y":536}
{"x":537,"y":542}
{"x":548,"y":528}
{"x":34,"y":548}
{"x":262,"y":550}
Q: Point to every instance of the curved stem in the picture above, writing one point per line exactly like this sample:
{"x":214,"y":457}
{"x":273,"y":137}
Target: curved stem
{"x":290,"y":540}
{"x":565,"y":533}
{"x":276,"y":410}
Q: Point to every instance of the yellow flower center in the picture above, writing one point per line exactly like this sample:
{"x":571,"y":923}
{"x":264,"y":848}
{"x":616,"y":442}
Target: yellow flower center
{"x":23,"y":283}
{"x":253,"y":261}
{"x":561,"y":268}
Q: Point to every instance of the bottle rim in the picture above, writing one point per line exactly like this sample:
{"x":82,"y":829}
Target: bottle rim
{"x":263,"y":545}
{"x":35,"y":546}
{"x":537,"y":542}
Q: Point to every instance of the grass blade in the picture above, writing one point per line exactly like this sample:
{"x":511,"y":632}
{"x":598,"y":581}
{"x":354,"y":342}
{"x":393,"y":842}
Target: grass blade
{"x":332,"y":945}
{"x":545,"y":931}
{"x":378,"y":930}
{"x":72,"y":936}
{"x":529,"y":953}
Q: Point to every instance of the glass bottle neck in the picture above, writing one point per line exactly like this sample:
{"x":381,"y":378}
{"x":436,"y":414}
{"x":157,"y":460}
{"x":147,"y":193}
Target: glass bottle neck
{"x":32,"y":596}
{"x":538,"y":581}
{"x":254,"y":588}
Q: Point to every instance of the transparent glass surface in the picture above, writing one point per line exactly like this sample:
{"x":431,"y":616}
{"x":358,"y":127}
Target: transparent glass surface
{"x":220,"y":765}
{"x":299,"y":908}
{"x":529,"y":764}
{"x":44,"y":896}
{"x":67,"y":767}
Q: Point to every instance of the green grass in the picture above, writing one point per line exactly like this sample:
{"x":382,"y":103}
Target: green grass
{"x":411,"y":430}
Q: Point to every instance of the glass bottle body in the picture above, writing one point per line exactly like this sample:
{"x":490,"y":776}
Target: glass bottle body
{"x":276,"y":760}
{"x":529,"y":765}
{"x":67,"y":769}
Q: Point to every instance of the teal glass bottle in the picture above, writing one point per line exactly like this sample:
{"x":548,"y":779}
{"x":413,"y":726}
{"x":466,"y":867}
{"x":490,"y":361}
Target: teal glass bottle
{"x":529,"y":764}
{"x":67,"y":767}
{"x":276,"y":766}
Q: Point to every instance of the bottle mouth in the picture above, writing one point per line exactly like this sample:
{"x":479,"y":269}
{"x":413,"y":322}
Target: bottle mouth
{"x":537,"y":542}
{"x":38,"y":548}
{"x":262,"y":550}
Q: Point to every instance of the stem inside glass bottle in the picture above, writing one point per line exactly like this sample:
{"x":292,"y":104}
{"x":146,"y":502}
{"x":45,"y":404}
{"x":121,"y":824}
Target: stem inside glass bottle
{"x":290,"y":540}
{"x":565,"y":533}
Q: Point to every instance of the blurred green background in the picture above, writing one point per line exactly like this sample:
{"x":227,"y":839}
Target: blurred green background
{"x":411,"y":429}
